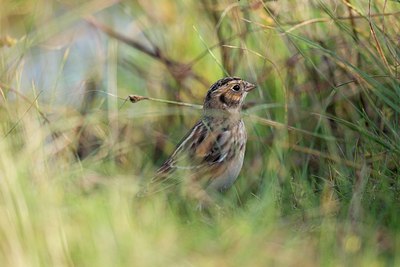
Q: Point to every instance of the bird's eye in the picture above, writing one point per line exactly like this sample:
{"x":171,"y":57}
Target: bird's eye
{"x":236,"y":88}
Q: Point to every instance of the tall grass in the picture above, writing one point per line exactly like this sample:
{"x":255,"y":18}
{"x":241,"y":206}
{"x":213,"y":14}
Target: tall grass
{"x":320,"y":183}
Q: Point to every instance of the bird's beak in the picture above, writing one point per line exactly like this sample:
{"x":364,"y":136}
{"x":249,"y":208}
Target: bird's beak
{"x":248,"y":86}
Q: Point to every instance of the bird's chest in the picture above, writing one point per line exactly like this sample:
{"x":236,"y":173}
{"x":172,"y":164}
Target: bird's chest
{"x":229,"y":152}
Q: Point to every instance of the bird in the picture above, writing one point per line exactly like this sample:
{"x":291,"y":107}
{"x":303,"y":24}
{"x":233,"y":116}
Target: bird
{"x":210,"y":156}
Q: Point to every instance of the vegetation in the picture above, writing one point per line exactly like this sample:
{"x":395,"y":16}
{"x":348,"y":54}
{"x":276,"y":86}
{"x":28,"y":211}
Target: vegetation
{"x":321,"y":181}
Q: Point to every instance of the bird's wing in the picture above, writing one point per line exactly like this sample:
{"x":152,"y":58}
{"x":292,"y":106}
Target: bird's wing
{"x":199,"y":151}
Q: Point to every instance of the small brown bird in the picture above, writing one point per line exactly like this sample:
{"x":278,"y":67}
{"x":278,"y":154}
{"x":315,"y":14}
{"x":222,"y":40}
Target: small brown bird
{"x":210,"y":156}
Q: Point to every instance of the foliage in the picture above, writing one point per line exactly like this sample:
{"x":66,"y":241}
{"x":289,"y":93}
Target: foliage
{"x":320,"y":184}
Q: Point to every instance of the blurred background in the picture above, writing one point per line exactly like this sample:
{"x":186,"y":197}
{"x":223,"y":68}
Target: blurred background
{"x":320,"y":183}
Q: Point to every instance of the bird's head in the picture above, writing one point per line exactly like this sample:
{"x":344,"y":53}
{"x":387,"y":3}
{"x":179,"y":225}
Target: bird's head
{"x":227,"y":94}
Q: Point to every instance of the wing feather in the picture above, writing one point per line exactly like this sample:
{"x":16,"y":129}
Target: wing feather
{"x":201,"y":147}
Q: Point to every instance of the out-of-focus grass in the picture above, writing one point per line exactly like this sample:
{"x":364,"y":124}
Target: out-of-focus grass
{"x":320,"y":183}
